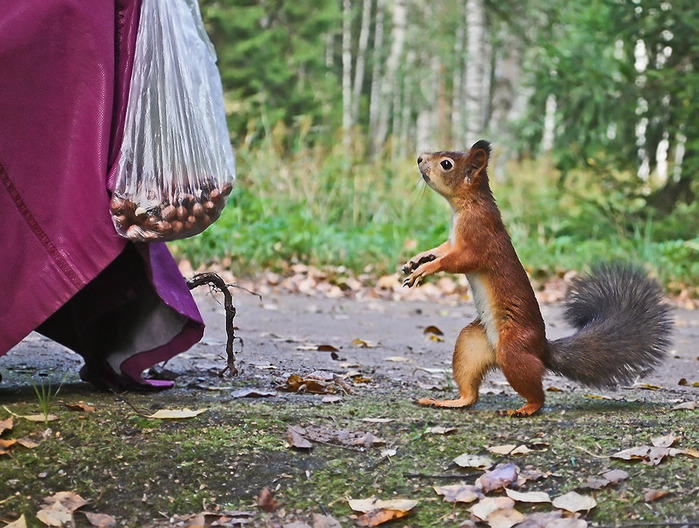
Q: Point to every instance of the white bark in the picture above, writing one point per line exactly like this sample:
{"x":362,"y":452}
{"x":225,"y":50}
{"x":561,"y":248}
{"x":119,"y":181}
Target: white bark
{"x":457,"y":102}
{"x":549,"y":135}
{"x":475,"y":70}
{"x":389,"y":84}
{"x":346,"y":72}
{"x":361,"y":59}
{"x":376,"y":77}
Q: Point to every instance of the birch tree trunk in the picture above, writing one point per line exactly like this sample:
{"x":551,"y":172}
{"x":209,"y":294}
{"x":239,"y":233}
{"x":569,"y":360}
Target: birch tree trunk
{"x":346,"y":73}
{"x":361,"y":59}
{"x":457,"y":94}
{"x":475,"y":70}
{"x":388,"y":83}
{"x":375,"y":96}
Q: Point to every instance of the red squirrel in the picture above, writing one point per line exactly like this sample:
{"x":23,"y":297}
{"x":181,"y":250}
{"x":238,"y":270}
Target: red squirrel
{"x":623,"y":325}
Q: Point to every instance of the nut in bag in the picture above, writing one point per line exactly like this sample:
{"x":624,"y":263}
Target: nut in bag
{"x":176,"y":166}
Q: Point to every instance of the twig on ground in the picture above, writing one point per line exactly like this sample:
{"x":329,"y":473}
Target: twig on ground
{"x":216,"y":282}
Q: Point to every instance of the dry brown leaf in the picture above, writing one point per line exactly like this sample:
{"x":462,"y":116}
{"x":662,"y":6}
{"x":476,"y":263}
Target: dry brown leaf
{"x":634,"y":453}
{"x":473,"y":461}
{"x":520,"y":450}
{"x":296,"y":439}
{"x":664,"y":441}
{"x":56,"y":516}
{"x":542,"y":520}
{"x":490,"y":504}
{"x":501,"y":477}
{"x":501,"y":449}
{"x":377,"y":517}
{"x":459,"y":493}
{"x":266,"y":501}
{"x":361,"y":343}
{"x":648,"y":386}
{"x":327,"y":348}
{"x":398,"y":359}
{"x":100,"y":520}
{"x":296,"y":383}
{"x":332,"y":399}
{"x":505,"y":518}
{"x":4,"y":444}
{"x":371,"y":504}
{"x":19,"y":523}
{"x":438,"y":430}
{"x":686,"y":406}
{"x":68,"y":500}
{"x":175,"y":414}
{"x":6,"y":425}
{"x":652,"y":495}
{"x":324,"y":521}
{"x":529,"y":497}
{"x":615,"y":475}
{"x":80,"y":406}
{"x":574,"y":502}
{"x":432,"y":329}
{"x":27,"y":442}
{"x":554,"y":389}
{"x":596,"y":397}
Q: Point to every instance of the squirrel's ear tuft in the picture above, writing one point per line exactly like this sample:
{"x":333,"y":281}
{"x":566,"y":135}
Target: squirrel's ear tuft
{"x":479,"y":155}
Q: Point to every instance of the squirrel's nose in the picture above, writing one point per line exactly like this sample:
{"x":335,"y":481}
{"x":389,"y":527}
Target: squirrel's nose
{"x":419,"y":160}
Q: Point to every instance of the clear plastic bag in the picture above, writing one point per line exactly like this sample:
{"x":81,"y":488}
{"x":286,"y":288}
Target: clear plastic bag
{"x":176,"y":166}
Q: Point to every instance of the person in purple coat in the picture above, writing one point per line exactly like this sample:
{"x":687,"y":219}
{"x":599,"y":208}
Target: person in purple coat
{"x":65,"y":67}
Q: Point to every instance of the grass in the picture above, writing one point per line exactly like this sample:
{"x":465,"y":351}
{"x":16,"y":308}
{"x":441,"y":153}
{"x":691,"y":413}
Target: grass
{"x":46,"y":395}
{"x":144,"y":471}
{"x":321,"y":207}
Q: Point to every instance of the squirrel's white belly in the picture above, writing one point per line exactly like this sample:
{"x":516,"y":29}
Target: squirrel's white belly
{"x":483,"y":307}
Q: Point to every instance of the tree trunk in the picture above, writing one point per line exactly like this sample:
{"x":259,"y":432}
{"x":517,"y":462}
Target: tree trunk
{"x":388,"y":84}
{"x":376,"y":77}
{"x":475,"y":70}
{"x":346,"y":73}
{"x":457,"y":94}
{"x":361,"y":59}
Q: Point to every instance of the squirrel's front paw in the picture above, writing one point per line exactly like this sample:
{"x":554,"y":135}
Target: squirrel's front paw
{"x":413,"y":279}
{"x":416,"y":261}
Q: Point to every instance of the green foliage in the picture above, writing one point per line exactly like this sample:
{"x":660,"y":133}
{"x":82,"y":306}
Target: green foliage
{"x":271,"y":57}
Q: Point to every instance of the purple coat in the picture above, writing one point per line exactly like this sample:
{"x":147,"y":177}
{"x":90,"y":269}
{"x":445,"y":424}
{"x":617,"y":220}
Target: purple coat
{"x":64,"y":271}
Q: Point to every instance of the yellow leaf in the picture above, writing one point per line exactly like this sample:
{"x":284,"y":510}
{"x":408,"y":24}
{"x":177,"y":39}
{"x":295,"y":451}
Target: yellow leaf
{"x":433,"y":330}
{"x":176,"y":414}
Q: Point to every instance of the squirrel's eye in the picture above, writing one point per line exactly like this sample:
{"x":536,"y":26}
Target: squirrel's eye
{"x":446,"y":164}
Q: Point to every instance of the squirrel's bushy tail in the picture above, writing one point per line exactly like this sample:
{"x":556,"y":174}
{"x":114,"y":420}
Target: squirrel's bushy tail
{"x":623,"y":327}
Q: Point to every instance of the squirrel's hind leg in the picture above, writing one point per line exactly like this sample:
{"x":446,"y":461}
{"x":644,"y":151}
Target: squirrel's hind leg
{"x":523,"y":370}
{"x":473,"y":358}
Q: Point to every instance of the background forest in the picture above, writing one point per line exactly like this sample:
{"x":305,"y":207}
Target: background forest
{"x":591,"y":107}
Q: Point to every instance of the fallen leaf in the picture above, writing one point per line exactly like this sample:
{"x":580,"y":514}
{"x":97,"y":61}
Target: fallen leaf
{"x":6,"y":425}
{"x":615,"y":476}
{"x":542,"y":520}
{"x":80,"y":406}
{"x":530,"y":497}
{"x":596,"y":397}
{"x":433,"y":330}
{"x":397,"y":359}
{"x":378,"y":420}
{"x":436,"y":338}
{"x":327,"y":348}
{"x":296,"y":383}
{"x":664,"y":441}
{"x":377,"y":517}
{"x":361,"y":343}
{"x":332,"y":399}
{"x":634,"y":453}
{"x":266,"y":501}
{"x":574,"y":502}
{"x":502,"y":449}
{"x":68,"y":500}
{"x":501,"y":477}
{"x":388,"y":453}
{"x":295,"y":437}
{"x":438,"y":430}
{"x":100,"y":520}
{"x":490,"y":504}
{"x":554,"y":389}
{"x":175,"y":414}
{"x":686,"y":406}
{"x":652,"y":495}
{"x":504,"y":518}
{"x":459,"y":493}
{"x":55,"y":516}
{"x":325,"y":521}
{"x":371,"y":504}
{"x":473,"y":461}
{"x":648,"y":386}
{"x":253,"y":393}
{"x":19,"y":523}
